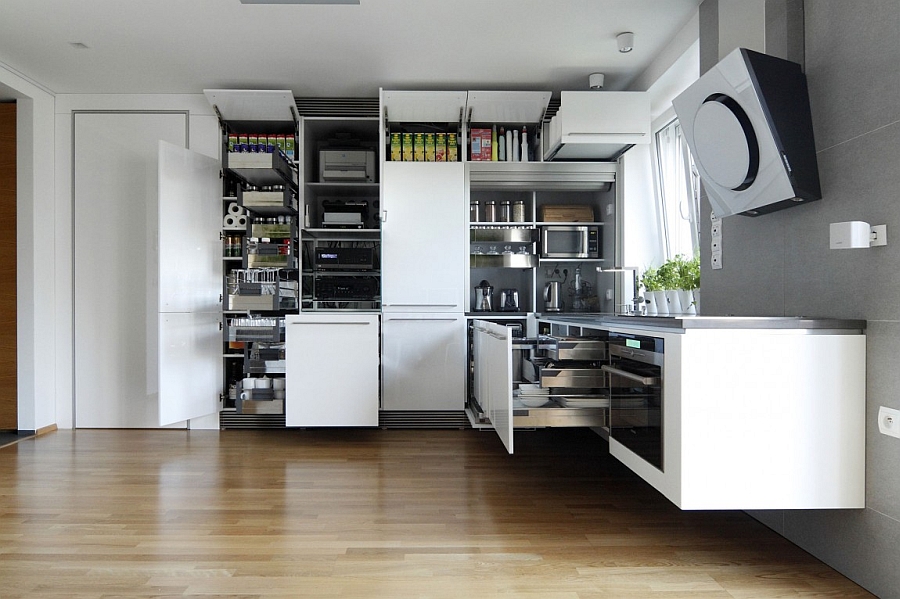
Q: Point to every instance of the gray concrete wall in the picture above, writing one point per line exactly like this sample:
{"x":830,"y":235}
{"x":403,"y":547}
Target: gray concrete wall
{"x":780,"y":264}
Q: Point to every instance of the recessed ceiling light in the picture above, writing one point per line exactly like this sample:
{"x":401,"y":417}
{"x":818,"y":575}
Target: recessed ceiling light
{"x":79,"y":45}
{"x":299,"y":1}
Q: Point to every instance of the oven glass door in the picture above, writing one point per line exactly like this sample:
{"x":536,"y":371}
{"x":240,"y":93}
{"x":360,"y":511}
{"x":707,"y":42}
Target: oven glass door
{"x":635,"y":414}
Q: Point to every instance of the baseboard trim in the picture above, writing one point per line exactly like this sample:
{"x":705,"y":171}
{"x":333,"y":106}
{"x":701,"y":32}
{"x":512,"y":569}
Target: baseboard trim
{"x":50,"y":428}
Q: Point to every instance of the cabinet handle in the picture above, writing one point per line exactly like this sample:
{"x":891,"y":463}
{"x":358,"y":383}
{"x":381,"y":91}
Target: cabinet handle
{"x":355,"y":322}
{"x":644,"y":380}
{"x":423,"y":319}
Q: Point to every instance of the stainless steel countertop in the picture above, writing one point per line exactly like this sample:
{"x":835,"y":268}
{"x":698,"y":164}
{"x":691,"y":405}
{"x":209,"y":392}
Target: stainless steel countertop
{"x":705,"y":322}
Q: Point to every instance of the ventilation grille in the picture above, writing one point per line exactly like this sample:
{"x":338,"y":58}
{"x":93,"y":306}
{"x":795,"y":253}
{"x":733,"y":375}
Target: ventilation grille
{"x":552,"y":109}
{"x":235,"y":420}
{"x":336,"y":107}
{"x":414,"y":419}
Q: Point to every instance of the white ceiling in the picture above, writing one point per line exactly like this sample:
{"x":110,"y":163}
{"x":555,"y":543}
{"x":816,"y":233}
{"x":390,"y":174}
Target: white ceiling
{"x":184,"y":46}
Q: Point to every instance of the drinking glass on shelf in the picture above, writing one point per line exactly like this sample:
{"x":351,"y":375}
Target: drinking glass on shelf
{"x":492,"y":249}
{"x":507,"y":249}
{"x":477,"y":249}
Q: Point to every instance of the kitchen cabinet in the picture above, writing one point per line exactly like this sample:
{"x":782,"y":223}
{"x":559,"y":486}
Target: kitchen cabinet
{"x":146,"y":285}
{"x":333,"y":369}
{"x":503,"y":398}
{"x":260,"y":204}
{"x":424,"y":361}
{"x":597,"y":125}
{"x":507,"y":254}
{"x":340,"y":199}
{"x":424,"y":243}
{"x":758,"y":413}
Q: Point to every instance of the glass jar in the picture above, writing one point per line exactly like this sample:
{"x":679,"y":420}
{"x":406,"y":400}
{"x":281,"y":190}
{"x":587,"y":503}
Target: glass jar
{"x":518,"y":211}
{"x":505,"y":214}
{"x":490,"y":211}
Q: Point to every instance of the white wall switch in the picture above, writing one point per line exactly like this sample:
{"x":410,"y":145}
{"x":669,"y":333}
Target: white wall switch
{"x":889,"y":421}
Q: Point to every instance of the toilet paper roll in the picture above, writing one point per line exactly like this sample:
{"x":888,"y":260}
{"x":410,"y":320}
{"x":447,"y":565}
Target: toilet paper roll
{"x":241,"y":220}
{"x":230,"y":220}
{"x":233,"y":208}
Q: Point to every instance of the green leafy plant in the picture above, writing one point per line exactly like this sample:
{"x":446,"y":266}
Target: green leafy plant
{"x":679,"y":273}
{"x":690,"y":274}
{"x":650,"y":279}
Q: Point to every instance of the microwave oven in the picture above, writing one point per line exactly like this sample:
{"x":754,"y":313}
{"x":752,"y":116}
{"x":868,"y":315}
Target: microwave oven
{"x":570,"y":241}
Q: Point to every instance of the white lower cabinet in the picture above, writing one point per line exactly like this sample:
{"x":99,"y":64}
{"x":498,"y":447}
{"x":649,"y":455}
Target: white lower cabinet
{"x":493,"y":377}
{"x":424,"y":361}
{"x":332,"y":369}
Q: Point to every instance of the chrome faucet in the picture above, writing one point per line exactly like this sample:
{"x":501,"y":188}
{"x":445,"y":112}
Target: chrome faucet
{"x":638,"y":301}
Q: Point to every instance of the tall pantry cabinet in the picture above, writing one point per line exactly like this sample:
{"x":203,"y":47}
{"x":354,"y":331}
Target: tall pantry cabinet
{"x":424,"y":254}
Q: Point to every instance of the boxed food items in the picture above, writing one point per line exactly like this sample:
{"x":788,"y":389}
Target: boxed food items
{"x":481,"y":144}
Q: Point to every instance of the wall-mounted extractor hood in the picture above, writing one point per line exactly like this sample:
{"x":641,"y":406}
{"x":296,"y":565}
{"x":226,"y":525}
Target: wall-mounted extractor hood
{"x":748,"y":125}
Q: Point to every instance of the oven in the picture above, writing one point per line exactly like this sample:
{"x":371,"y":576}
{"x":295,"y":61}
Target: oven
{"x":635,"y":372}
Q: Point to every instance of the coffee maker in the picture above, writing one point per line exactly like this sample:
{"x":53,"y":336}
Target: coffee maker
{"x":484,"y":297}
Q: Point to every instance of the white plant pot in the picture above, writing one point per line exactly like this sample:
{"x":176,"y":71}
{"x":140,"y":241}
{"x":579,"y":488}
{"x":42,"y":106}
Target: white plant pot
{"x":662,"y":305}
{"x":650,"y":303}
{"x":686,"y":298}
{"x":696,"y":294}
{"x":673,"y":301}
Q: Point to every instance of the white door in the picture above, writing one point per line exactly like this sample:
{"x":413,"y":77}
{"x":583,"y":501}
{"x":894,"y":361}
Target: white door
{"x":424,"y":253}
{"x":332,"y":369}
{"x":494,"y":378}
{"x":115,"y":296}
{"x":424,"y":361}
{"x":189,"y":284}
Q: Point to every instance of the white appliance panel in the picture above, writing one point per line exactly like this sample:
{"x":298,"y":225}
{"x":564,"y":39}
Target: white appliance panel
{"x":190,"y":253}
{"x":494,"y":377}
{"x":424,"y":250}
{"x":332,"y":369}
{"x":424,"y":361}
{"x":190,"y":373}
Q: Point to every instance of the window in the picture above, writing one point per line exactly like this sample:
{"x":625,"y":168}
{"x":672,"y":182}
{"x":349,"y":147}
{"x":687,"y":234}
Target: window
{"x":678,"y":192}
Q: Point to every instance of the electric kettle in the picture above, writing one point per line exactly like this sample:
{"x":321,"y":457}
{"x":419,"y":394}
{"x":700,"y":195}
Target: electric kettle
{"x":553,"y":297}
{"x":483,"y":297}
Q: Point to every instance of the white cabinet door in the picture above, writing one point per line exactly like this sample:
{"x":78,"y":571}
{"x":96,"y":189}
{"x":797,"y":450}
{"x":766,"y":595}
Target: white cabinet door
{"x":332,"y":369}
{"x":424,"y":361}
{"x":189,"y":275}
{"x":424,"y":250}
{"x":190,"y":375}
{"x":494,"y":378}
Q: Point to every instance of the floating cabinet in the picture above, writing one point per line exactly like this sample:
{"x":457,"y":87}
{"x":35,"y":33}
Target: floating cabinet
{"x":597,"y":125}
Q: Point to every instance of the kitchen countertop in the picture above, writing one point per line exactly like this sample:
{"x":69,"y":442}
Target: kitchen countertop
{"x":705,"y":322}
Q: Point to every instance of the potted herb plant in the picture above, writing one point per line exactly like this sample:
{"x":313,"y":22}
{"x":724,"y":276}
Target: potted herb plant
{"x":653,"y":290}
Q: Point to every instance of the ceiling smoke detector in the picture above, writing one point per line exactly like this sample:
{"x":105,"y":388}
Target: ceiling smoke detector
{"x":625,"y":41}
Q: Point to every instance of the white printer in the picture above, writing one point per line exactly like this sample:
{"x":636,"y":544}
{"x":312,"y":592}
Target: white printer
{"x":347,"y":165}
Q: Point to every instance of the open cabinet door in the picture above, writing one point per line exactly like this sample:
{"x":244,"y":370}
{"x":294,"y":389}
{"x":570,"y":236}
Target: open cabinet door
{"x":493,"y":376}
{"x":189,"y":281}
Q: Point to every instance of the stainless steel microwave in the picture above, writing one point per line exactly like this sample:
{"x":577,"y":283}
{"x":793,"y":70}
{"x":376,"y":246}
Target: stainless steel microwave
{"x":570,"y":241}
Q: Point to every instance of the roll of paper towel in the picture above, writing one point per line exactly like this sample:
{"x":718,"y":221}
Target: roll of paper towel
{"x":233,"y":208}
{"x":230,"y":221}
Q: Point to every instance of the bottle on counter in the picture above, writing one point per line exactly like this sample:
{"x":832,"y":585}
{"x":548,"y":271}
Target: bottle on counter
{"x":515,"y":147}
{"x":509,"y":146}
{"x":501,"y":150}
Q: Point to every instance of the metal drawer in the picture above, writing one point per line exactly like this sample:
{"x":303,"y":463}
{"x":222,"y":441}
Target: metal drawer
{"x":577,"y":348}
{"x":574,"y":377}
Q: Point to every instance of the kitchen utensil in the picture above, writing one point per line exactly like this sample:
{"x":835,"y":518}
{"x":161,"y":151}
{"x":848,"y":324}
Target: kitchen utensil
{"x":553,"y":297}
{"x":509,"y":300}
{"x":483,"y":297}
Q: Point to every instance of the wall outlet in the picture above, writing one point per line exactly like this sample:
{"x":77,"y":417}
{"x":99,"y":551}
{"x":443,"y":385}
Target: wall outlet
{"x":889,"y":422}
{"x":715,"y":260}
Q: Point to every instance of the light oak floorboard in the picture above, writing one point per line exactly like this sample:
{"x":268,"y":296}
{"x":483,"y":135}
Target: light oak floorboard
{"x":368,"y":514}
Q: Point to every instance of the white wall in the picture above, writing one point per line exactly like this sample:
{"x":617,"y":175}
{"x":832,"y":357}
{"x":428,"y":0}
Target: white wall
{"x":671,"y":72}
{"x":36,"y":272}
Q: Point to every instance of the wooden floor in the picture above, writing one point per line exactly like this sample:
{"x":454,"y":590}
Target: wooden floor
{"x":370,"y":513}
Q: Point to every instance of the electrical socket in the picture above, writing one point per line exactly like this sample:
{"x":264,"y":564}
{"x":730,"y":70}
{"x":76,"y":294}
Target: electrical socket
{"x":716,"y":260}
{"x":889,"y":421}
{"x":715,"y":231}
{"x":716,"y":245}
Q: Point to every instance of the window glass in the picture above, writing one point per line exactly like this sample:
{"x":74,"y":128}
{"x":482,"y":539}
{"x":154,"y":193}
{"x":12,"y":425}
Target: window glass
{"x":678,"y":192}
